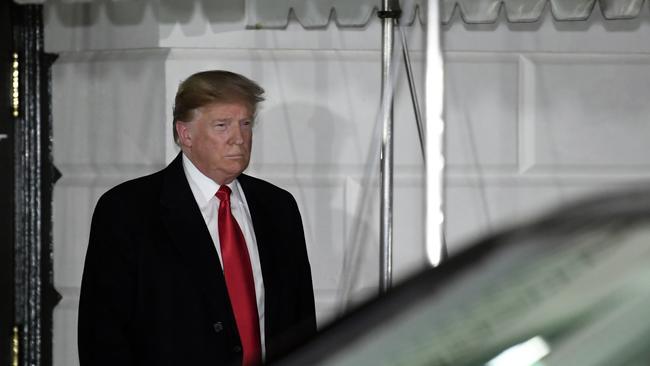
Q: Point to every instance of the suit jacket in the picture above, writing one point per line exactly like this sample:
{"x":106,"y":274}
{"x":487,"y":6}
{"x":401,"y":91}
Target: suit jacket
{"x":153,"y":291}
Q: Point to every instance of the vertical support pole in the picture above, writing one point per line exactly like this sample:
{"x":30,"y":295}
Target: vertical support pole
{"x":434,"y":137}
{"x":386,"y":215}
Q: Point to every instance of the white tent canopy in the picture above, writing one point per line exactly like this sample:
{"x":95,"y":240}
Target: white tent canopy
{"x":276,"y":13}
{"x":357,"y":13}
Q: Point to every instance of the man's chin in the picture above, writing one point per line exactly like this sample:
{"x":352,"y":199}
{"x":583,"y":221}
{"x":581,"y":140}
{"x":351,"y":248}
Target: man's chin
{"x":236,"y":169}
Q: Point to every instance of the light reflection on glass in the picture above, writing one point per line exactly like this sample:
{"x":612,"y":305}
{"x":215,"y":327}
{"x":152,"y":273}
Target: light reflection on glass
{"x":523,"y":354}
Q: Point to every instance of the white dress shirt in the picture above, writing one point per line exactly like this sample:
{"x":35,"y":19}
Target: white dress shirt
{"x":204,"y":190}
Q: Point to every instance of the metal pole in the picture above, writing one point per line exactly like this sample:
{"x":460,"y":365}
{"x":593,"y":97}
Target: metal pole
{"x":388,"y":15}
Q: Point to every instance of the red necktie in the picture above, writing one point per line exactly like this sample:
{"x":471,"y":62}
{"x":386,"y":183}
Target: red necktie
{"x":239,"y":280}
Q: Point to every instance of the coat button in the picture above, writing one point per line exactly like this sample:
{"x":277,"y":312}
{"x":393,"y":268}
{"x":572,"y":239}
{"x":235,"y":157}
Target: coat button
{"x":236,"y":349}
{"x":218,"y":327}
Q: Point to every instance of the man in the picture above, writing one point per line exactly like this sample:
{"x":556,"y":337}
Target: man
{"x":197,"y":264}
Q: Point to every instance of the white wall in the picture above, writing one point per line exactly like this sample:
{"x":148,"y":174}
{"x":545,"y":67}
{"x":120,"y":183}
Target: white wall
{"x":534,"y":118}
{"x":540,"y":114}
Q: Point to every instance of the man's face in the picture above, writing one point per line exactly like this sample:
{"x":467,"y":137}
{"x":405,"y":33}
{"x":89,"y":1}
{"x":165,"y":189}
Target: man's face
{"x":218,"y":139}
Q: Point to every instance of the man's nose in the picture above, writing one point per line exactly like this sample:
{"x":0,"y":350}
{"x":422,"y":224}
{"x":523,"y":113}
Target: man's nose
{"x":236,"y":134}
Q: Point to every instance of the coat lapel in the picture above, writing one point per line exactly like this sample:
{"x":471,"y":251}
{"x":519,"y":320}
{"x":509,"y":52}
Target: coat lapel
{"x":262,"y":217}
{"x":184,"y":222}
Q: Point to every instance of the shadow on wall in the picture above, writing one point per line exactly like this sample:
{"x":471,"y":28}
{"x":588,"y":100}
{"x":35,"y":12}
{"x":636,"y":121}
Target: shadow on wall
{"x":327,"y":154}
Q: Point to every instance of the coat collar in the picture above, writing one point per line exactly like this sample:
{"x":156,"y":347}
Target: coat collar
{"x":263,"y":218}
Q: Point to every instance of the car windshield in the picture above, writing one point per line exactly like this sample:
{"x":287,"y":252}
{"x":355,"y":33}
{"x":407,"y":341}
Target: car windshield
{"x":570,"y":289}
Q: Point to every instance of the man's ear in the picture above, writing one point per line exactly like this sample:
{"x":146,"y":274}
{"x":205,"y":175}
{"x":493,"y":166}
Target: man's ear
{"x":184,"y":133}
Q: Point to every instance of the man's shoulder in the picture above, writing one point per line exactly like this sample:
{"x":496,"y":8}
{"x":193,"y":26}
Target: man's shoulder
{"x":146,"y":183}
{"x":134,"y":191}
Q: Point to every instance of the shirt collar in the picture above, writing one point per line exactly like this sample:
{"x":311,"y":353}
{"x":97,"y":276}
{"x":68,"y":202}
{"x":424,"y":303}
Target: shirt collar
{"x":203,"y":187}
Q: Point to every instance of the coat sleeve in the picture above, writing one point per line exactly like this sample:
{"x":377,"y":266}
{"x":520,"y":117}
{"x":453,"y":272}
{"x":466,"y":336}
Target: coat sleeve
{"x":305,"y":322}
{"x":306,"y":306}
{"x":107,"y":289}
{"x":294,"y":317}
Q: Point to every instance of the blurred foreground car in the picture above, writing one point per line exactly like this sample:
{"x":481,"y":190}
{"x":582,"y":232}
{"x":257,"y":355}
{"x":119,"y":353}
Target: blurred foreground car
{"x":571,"y":289}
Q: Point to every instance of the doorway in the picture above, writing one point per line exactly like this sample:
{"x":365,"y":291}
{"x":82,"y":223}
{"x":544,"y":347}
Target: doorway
{"x":26,"y":184}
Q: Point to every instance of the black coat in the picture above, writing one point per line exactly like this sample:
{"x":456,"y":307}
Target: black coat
{"x":153,"y":291}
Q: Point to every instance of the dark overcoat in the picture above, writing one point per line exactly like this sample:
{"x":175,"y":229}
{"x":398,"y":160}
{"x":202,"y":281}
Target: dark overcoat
{"x":153,"y":291}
